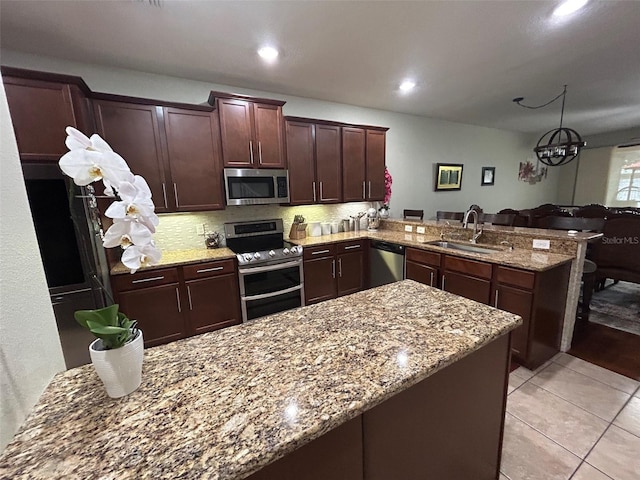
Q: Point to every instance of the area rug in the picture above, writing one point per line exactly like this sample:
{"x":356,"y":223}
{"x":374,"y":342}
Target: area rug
{"x":617,"y":306}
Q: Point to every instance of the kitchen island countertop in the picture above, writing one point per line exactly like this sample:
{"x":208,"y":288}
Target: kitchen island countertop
{"x":224,"y":404}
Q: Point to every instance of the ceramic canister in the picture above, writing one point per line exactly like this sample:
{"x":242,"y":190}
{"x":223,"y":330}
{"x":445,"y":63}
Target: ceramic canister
{"x":315,"y":230}
{"x":326,"y":228}
{"x":335,"y":227}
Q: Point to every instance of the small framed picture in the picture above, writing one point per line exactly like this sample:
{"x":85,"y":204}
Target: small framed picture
{"x":488,"y":176}
{"x":448,"y":176}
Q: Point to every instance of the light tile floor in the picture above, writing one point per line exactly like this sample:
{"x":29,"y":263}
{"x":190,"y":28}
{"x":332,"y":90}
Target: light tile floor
{"x":570,"y":419}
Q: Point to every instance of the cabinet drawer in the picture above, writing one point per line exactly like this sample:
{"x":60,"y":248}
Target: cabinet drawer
{"x":354,"y":246}
{"x":151,"y":278}
{"x":319,"y":251}
{"x":470,"y":267}
{"x":209,"y":269}
{"x":518,"y":278}
{"x":423,"y":256}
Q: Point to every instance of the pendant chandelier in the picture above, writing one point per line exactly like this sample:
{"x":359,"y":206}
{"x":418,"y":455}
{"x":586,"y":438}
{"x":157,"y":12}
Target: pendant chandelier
{"x":560,"y":145}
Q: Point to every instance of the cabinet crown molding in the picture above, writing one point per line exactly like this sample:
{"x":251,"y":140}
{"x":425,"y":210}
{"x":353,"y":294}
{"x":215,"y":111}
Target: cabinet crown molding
{"x":213,"y":95}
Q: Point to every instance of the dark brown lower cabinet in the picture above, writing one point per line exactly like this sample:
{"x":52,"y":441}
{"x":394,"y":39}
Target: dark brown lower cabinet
{"x":174,"y":303}
{"x":468,"y":278}
{"x":423,"y":266}
{"x":448,"y":426}
{"x":351,"y":268}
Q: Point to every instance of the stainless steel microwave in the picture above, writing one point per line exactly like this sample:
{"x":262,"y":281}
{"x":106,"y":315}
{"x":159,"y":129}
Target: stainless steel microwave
{"x":252,"y":186}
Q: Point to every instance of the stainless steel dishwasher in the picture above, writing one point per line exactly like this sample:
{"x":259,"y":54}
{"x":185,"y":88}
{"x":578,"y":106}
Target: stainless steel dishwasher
{"x":387,"y":262}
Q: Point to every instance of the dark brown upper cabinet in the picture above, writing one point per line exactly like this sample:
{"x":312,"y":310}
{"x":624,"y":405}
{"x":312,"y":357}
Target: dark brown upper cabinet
{"x":176,"y":149}
{"x":363,"y":162}
{"x":42,"y":105}
{"x":251,"y":131}
{"x":315,"y":161}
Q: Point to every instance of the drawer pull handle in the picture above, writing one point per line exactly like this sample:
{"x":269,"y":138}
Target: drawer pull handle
{"x":319,"y":252}
{"x":150,"y":279}
{"x":351,"y":247}
{"x":212,"y":269}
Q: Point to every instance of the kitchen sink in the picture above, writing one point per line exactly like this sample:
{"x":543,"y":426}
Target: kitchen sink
{"x":463,"y":247}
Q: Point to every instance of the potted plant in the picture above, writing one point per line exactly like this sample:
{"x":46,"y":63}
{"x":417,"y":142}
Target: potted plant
{"x":384,"y":209}
{"x":117,"y":353}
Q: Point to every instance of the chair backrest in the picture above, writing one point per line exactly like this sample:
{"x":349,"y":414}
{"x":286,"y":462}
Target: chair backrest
{"x":617,"y":253}
{"x":441,"y":215}
{"x":413,"y":214}
{"x":593,"y":211}
{"x":570,"y":223}
{"x":498,"y":218}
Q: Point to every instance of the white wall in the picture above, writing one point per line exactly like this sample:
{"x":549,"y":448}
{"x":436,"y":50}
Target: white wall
{"x":414,"y":144}
{"x":30,"y":352}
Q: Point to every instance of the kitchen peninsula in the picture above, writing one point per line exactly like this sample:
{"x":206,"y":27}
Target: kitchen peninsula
{"x":394,"y":379}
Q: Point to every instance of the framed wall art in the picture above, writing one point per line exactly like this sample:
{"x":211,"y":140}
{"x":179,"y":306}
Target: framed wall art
{"x":448,"y":176}
{"x":488,"y":176}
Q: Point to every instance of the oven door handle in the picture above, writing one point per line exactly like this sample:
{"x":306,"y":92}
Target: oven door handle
{"x":272,"y":294}
{"x":267,"y":268}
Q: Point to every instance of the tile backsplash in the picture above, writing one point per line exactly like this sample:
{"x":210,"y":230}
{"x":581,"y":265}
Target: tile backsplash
{"x":178,"y":231}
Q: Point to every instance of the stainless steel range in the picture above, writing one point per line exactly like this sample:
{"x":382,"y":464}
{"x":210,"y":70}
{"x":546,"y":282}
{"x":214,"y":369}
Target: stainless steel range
{"x":269,"y":269}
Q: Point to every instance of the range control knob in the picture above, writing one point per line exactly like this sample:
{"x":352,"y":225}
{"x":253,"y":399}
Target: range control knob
{"x":256,"y":255}
{"x":240,"y":258}
{"x":297,"y":249}
{"x":285,"y":251}
{"x":272,"y":253}
{"x":247,"y":257}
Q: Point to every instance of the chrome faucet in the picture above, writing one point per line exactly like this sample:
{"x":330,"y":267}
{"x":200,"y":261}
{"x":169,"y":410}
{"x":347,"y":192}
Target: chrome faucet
{"x":465,"y":222}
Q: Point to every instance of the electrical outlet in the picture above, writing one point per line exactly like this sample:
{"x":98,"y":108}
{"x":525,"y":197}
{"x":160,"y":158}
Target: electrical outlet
{"x":408,"y":228}
{"x":200,"y":229}
{"x":419,"y":229}
{"x":542,"y":244}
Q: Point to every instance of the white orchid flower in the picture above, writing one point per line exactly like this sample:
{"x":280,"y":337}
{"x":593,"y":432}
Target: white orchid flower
{"x":126,"y":234}
{"x":136,"y":204}
{"x":138,"y":256}
{"x":78,"y":140}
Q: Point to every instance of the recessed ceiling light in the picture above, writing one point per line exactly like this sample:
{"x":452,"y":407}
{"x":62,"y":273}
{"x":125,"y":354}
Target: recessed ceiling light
{"x":407,"y":86}
{"x":268,"y":53}
{"x":568,"y":7}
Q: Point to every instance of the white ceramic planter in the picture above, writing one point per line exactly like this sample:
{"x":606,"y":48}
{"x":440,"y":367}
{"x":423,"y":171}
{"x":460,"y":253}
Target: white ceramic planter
{"x":120,"y":369}
{"x":384,"y":213}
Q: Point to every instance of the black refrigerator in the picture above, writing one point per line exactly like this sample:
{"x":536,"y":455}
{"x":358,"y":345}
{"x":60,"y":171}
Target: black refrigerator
{"x":75,"y":264}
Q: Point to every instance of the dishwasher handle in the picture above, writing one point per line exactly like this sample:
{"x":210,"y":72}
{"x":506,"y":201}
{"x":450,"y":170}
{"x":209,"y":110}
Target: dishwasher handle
{"x":388,"y":247}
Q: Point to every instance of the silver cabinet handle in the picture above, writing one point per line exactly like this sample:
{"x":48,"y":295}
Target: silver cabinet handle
{"x":321,"y":196}
{"x":333,"y":268}
{"x":175,"y":193}
{"x":515,"y":350}
{"x":189,"y":295}
{"x":431,"y":281}
{"x":260,"y":151}
{"x":351,"y":247}
{"x":369,"y":188}
{"x":314,"y":191}
{"x":443,"y":282}
{"x":363,"y":190}
{"x":164,"y":194}
{"x":319,"y":252}
{"x":251,"y":150}
{"x":496,"y":301}
{"x":340,"y":267}
{"x":212,"y":269}
{"x":178,"y":299}
{"x":150,"y":279}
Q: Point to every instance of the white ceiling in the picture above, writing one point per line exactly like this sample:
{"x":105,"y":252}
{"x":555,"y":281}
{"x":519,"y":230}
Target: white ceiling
{"x":470,"y":58}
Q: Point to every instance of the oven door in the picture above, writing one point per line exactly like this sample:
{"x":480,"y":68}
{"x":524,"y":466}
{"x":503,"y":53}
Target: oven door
{"x":271,"y":289}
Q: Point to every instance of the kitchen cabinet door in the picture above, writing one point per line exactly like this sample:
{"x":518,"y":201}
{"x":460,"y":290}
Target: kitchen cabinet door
{"x":194,"y":160}
{"x":319,"y":279}
{"x":158,"y":311}
{"x":328,"y":163}
{"x":473,"y":288}
{"x":353,"y":164}
{"x":236,"y":133}
{"x":516,"y":301}
{"x":300,"y":157}
{"x":40,"y":113}
{"x":268,"y":144}
{"x":133,"y":131}
{"x":422,"y":273}
{"x":351,"y":272}
{"x":375,"y":163}
{"x":214,"y":303}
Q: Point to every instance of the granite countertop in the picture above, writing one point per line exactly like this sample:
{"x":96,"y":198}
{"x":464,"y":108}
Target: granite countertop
{"x":535,"y":260}
{"x":224,"y":404}
{"x":172,"y":258}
